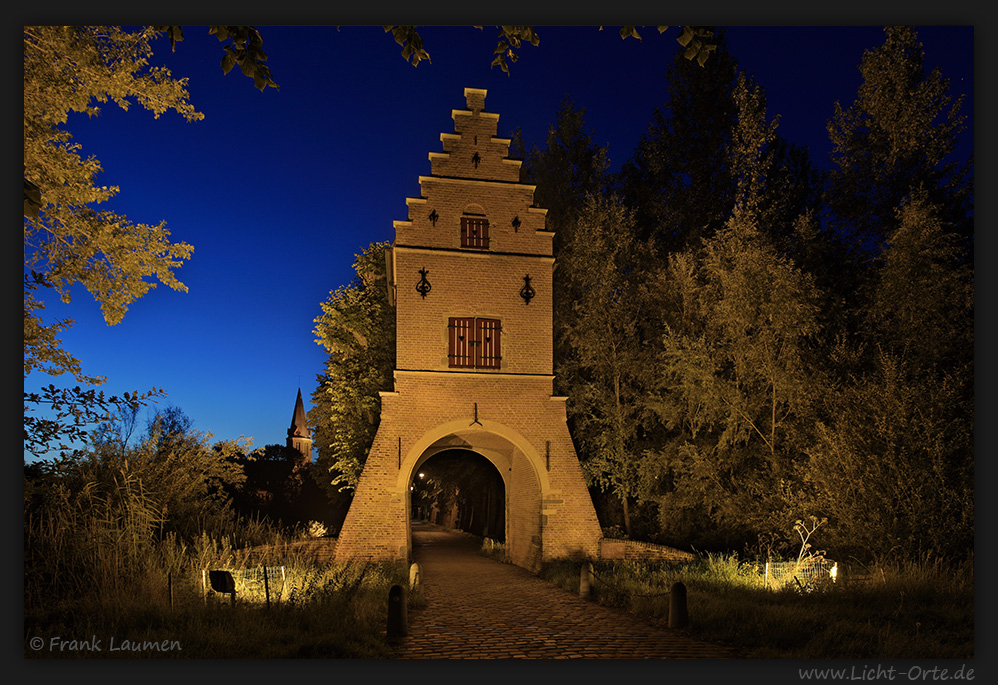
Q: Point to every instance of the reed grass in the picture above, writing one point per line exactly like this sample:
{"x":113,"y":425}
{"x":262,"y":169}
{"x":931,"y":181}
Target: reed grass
{"x":329,"y":611}
{"x":116,"y":592}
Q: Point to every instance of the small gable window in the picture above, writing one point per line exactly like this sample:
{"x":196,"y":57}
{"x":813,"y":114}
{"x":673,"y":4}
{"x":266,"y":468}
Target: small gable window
{"x":475,"y":232}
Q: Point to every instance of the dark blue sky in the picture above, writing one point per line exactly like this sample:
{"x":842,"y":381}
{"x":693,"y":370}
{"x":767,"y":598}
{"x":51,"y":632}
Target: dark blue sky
{"x":277,"y":191}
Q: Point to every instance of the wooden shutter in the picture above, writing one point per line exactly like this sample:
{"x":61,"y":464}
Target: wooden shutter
{"x":488,"y":334}
{"x":475,"y":232}
{"x":474,"y":343}
{"x":461,"y":337}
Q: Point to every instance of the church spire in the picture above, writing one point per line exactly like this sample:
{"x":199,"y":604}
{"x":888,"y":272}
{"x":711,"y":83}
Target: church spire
{"x":299,"y":437}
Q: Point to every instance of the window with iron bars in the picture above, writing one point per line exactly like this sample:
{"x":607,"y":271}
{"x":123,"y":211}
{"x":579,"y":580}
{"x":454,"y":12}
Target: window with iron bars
{"x":475,"y":232}
{"x":473,"y":343}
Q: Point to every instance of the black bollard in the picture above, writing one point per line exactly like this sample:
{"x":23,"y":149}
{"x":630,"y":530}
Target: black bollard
{"x":678,"y":615}
{"x":396,"y":613}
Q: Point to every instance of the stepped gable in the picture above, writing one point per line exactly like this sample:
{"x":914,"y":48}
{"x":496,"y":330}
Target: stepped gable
{"x":473,"y":151}
{"x":474,"y":177}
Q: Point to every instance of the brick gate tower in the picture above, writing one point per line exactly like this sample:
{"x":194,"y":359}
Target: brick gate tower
{"x":471,"y":275}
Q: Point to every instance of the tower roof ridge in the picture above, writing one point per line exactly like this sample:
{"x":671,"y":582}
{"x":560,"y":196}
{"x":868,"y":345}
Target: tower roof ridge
{"x":299,"y":429}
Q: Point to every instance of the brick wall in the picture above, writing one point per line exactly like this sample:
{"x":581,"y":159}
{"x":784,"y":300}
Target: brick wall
{"x":633,"y":550}
{"x":472,"y":284}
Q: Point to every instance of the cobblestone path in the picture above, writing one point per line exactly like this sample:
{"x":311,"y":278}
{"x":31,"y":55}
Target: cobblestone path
{"x":479,"y":608}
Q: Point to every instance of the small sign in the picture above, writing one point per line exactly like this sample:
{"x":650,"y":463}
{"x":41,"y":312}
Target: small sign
{"x":221,"y":581}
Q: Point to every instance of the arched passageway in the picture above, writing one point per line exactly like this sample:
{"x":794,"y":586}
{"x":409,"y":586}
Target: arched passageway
{"x":501,"y":482}
{"x":460,"y":489}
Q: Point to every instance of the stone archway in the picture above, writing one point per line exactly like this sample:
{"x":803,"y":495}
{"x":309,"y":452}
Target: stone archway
{"x":548,"y":513}
{"x":523,"y":483}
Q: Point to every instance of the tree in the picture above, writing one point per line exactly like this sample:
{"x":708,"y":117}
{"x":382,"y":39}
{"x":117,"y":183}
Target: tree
{"x":169,"y":421}
{"x":281,"y":486}
{"x":569,"y":168}
{"x":893,"y":465}
{"x":893,"y":461}
{"x":357,"y":329}
{"x":896,"y":137}
{"x":680,"y":182}
{"x":733,"y":386}
{"x":774,"y":185}
{"x":923,"y":303}
{"x":734,"y":389}
{"x":74,"y":411}
{"x":605,"y":359}
{"x":68,"y":242}
{"x":898,"y":426}
{"x":677,"y":182}
{"x":244,"y":51}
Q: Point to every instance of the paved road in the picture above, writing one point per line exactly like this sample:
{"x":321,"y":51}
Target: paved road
{"x":479,"y":608}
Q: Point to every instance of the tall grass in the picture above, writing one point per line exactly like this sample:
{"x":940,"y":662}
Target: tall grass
{"x":99,"y":570}
{"x":315,"y":610}
{"x":915,"y":609}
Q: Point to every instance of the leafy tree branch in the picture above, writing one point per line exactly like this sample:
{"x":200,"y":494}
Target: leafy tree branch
{"x":697,"y":43}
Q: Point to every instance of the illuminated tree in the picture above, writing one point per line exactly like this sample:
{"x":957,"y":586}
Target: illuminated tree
{"x":897,"y":425}
{"x":68,"y":241}
{"x":733,"y":387}
{"x":606,"y":362}
{"x":733,"y":390}
{"x":357,"y":329}
{"x":893,"y":463}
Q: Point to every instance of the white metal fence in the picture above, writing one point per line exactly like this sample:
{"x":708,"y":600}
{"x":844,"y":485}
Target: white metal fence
{"x":805,"y":573}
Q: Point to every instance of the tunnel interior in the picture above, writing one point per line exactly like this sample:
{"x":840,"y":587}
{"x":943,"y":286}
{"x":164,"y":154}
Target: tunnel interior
{"x":460,"y":489}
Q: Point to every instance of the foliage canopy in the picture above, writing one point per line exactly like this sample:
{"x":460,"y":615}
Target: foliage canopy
{"x":68,"y":241}
{"x":357,"y":329}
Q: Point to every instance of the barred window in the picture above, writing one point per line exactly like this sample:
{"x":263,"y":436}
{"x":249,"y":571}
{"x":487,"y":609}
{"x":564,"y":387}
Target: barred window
{"x":475,"y":232}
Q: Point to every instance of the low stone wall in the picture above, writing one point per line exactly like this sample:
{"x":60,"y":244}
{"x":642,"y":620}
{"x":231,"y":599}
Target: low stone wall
{"x":633,"y":550}
{"x":318,"y":550}
{"x":322,"y":550}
